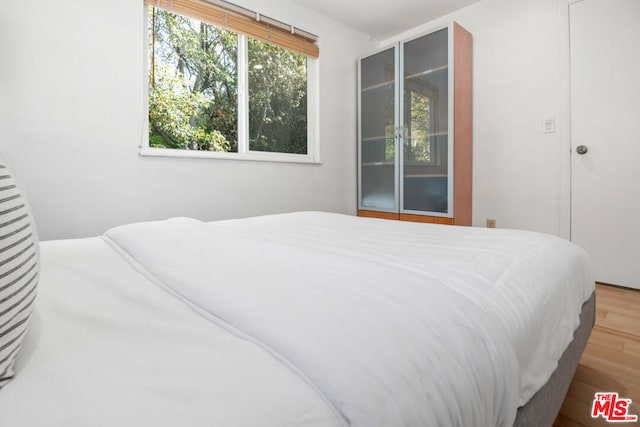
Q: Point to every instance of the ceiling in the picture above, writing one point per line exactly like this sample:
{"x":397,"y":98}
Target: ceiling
{"x":381,"y":19}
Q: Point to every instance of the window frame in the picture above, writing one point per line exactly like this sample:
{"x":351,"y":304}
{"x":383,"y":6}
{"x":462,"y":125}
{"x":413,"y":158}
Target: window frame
{"x":244,"y":152}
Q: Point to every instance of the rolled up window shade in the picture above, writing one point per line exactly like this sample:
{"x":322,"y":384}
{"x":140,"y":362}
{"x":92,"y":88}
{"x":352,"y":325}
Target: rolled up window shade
{"x":244,"y":21}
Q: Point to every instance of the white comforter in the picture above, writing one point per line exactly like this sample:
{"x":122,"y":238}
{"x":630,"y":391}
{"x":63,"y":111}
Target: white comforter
{"x":108,"y":348}
{"x":303,"y":319}
{"x":388,"y":323}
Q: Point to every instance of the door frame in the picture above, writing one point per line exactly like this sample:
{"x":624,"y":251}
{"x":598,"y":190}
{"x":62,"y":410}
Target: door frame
{"x":565,"y":116}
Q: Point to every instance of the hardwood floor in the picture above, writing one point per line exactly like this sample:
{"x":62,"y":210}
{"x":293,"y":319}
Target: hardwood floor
{"x":611,"y":361}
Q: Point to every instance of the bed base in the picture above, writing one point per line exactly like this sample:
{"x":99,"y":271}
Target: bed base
{"x":543,"y":408}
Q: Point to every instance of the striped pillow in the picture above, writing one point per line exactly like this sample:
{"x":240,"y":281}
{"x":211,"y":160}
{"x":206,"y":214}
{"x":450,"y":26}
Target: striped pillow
{"x":19,"y":266}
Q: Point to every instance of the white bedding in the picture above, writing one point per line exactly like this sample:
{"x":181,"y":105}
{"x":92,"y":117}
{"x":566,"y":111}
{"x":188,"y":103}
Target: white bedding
{"x":108,"y":348}
{"x":296,"y":319}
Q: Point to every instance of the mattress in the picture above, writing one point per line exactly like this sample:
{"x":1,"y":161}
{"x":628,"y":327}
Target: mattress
{"x":298,"y":319}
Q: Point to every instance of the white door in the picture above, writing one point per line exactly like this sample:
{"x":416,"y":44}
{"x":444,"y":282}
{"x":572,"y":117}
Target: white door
{"x":605,"y":110}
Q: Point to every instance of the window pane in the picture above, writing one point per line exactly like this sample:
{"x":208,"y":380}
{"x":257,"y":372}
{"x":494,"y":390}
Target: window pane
{"x":193,"y":84}
{"x":277,"y":99}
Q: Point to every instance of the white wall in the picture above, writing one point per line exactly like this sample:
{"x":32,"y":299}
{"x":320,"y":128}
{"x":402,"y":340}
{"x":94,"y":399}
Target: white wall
{"x":71,"y":118}
{"x":520,"y":174}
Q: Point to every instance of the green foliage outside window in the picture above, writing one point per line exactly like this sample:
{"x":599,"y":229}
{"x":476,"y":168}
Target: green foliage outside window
{"x":277,"y":99}
{"x":193,"y":91}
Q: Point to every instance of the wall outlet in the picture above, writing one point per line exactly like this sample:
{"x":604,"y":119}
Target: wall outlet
{"x":491,"y":223}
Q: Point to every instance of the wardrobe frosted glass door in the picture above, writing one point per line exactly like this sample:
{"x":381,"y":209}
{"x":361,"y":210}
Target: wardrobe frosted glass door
{"x":425,"y":112}
{"x":377,"y":132}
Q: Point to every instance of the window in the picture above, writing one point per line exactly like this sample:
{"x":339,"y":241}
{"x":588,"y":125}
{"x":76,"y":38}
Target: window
{"x":277,"y":99}
{"x":193,"y":84}
{"x":214,"y":92}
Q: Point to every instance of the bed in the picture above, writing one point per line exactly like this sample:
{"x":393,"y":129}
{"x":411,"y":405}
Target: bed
{"x":301,"y":319}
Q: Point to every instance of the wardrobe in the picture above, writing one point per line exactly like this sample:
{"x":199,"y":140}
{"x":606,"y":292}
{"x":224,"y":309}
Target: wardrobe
{"x":415,"y":129}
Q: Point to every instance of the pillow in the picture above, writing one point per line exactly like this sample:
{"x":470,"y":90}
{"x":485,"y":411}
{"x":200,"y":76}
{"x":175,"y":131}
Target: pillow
{"x":19,"y":270}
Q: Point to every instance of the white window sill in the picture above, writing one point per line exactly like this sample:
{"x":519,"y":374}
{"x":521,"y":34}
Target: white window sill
{"x":251,"y":156}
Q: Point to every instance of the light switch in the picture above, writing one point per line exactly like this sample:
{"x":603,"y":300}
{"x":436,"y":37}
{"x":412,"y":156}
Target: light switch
{"x":548,"y":124}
